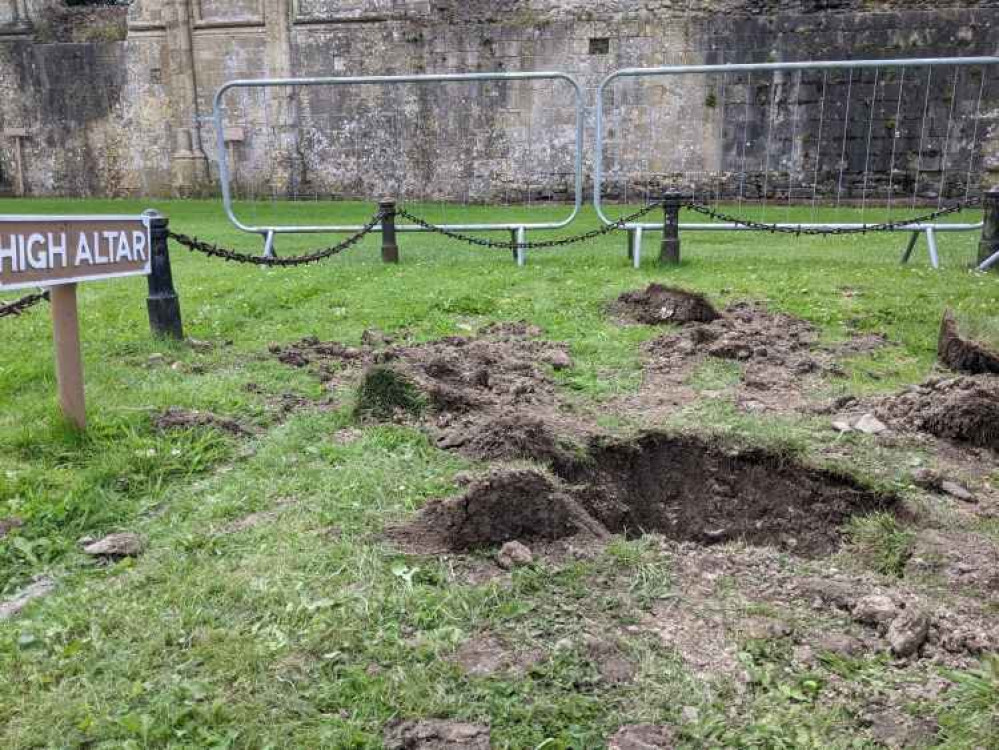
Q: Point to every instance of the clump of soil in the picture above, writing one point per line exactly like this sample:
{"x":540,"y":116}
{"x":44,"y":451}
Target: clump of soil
{"x":385,"y":392}
{"x":489,"y":397}
{"x":963,"y":409}
{"x":683,"y":488}
{"x":436,"y":734}
{"x":184,"y":419}
{"x":961,"y":354}
{"x":658,"y":304}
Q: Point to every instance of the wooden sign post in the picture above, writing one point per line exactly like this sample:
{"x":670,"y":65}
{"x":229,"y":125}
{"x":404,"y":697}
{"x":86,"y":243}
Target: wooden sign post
{"x":59,"y":252}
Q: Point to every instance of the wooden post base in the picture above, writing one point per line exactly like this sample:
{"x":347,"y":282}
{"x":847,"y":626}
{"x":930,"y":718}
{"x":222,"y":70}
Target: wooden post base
{"x":69,"y":363}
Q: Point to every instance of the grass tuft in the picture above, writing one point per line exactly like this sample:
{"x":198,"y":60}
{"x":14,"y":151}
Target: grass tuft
{"x":385,"y":392}
{"x":882,"y":543}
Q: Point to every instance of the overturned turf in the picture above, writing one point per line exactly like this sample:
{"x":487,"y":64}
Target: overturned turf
{"x":681,"y":487}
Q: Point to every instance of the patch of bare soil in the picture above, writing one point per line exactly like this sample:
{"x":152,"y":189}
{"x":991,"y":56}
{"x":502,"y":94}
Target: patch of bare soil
{"x":184,"y":419}
{"x":963,"y":409}
{"x":780,"y":357}
{"x":683,"y":488}
{"x":658,"y":304}
{"x":962,"y":354}
{"x":643,"y":737}
{"x":487,"y":655}
{"x":489,"y":397}
{"x":9,"y":524}
{"x":435,"y":734}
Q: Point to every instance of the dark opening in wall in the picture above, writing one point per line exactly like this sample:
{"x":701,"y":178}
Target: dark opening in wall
{"x":599,"y":45}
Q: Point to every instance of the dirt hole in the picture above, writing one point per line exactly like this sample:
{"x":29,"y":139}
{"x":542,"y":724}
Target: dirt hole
{"x":681,"y":487}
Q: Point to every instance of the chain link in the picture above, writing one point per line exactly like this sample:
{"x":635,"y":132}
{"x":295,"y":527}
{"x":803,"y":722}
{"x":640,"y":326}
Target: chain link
{"x":195,"y":245}
{"x":562,"y":241}
{"x":19,"y":306}
{"x":887,"y":226}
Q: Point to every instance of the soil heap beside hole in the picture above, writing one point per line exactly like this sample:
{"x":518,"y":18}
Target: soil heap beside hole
{"x":658,"y":304}
{"x":963,"y":409}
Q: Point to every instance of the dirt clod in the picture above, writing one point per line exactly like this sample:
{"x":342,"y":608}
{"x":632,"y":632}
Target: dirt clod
{"x":908,"y":632}
{"x":643,"y":737}
{"x":185,"y":419}
{"x":875,"y":609}
{"x":514,"y":555}
{"x":114,"y":546}
{"x":387,"y":393}
{"x":961,"y":354}
{"x":434,"y":734}
{"x":8,"y":524}
{"x":658,"y":304}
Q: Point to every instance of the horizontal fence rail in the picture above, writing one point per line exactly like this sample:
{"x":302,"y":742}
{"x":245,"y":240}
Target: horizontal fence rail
{"x":269,"y":230}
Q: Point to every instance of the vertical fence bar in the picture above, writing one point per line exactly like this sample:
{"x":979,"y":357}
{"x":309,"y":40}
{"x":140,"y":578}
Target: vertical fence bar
{"x":162,"y":303}
{"x":669,"y":251}
{"x":390,"y":248}
{"x":988,"y":247}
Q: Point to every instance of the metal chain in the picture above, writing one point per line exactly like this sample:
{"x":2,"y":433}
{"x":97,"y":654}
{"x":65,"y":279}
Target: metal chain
{"x":799,"y":230}
{"x":214,"y":251}
{"x":619,"y":224}
{"x":19,"y":306}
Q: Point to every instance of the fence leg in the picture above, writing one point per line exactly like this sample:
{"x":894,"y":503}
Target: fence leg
{"x":931,"y":241}
{"x":514,"y":240}
{"x":631,"y":244}
{"x":269,"y":245}
{"x":390,"y":248}
{"x":521,"y":251}
{"x":636,"y":248}
{"x":988,"y":248}
{"x":910,"y":247}
{"x":162,"y":302}
{"x":669,"y":251}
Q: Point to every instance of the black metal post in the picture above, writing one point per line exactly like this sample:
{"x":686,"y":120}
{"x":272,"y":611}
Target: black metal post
{"x":989,"y":244}
{"x":390,"y":249}
{"x":162,"y":303}
{"x":669,"y":251}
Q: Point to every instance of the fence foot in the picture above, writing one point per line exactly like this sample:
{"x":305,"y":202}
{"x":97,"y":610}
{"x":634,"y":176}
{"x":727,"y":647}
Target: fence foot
{"x":521,"y":251}
{"x":269,"y":245}
{"x":636,"y":248}
{"x":910,"y":247}
{"x":986,"y":264}
{"x":931,"y":241}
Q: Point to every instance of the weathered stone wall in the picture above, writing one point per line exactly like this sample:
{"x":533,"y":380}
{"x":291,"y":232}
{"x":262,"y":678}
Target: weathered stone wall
{"x":132,"y":117}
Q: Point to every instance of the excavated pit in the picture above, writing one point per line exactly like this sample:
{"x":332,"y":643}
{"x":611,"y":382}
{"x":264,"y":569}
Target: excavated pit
{"x":680,"y":487}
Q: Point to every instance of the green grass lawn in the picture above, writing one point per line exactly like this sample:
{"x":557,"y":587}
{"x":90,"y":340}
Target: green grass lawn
{"x":287,"y":636}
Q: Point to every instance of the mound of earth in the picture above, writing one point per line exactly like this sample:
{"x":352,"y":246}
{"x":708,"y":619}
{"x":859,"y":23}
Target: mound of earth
{"x":964,"y":355}
{"x":658,"y":304}
{"x":185,"y":419}
{"x":680,"y":487}
{"x":746,"y":333}
{"x":963,"y":409}
{"x":489,"y":397}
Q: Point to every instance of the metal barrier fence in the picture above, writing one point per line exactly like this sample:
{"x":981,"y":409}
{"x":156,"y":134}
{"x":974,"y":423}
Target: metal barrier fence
{"x":517,"y":229}
{"x":802,"y":91}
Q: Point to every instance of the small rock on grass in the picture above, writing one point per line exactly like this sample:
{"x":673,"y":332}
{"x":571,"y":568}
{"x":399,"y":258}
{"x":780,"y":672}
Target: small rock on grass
{"x":908,"y":632}
{"x":870,"y":425}
{"x":125,"y":544}
{"x":956,"y":490}
{"x":642,"y":737}
{"x":434,"y":734}
{"x":514,"y":555}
